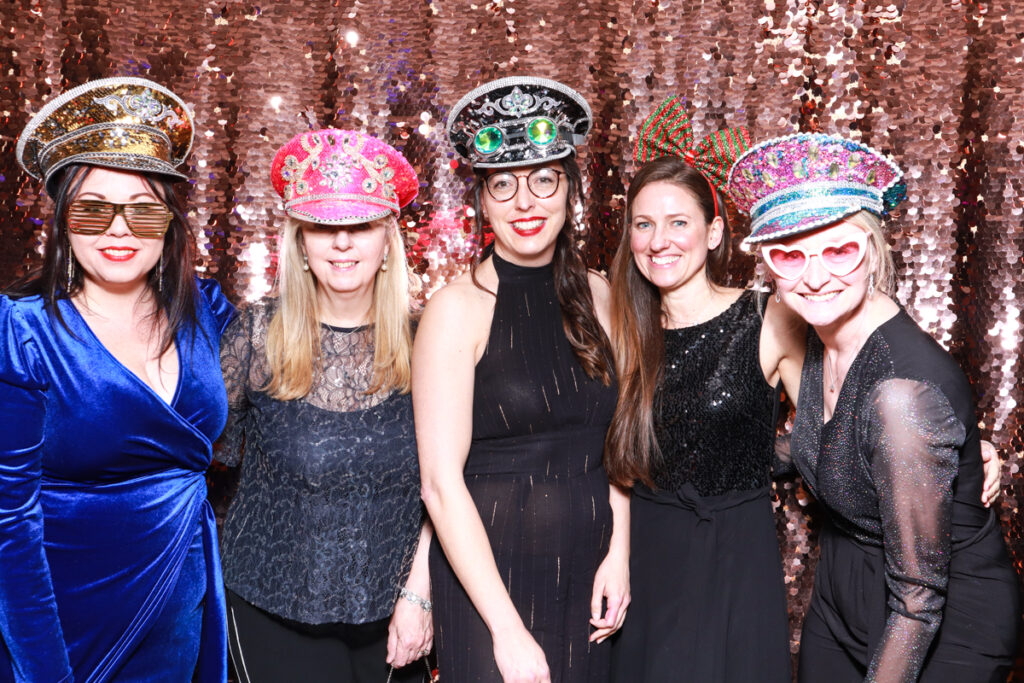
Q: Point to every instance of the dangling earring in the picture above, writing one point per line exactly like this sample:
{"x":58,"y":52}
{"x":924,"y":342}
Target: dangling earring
{"x":160,"y":274}
{"x":305,"y":262}
{"x":871,"y":285}
{"x":71,"y":271}
{"x":778,"y":297}
{"x":384,"y":264}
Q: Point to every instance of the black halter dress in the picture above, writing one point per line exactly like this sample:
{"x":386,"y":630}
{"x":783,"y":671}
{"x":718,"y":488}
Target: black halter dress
{"x":535,"y":473}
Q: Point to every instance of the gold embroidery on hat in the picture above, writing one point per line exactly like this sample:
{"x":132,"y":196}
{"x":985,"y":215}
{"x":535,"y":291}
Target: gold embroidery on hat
{"x":293,"y":170}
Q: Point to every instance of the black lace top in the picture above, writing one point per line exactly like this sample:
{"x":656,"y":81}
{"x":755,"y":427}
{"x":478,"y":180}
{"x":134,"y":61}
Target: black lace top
{"x":897,"y":466}
{"x":325,"y":521}
{"x":714,"y":413}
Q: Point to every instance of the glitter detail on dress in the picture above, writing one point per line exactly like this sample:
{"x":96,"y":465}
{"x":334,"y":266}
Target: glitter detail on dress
{"x":908,"y":546}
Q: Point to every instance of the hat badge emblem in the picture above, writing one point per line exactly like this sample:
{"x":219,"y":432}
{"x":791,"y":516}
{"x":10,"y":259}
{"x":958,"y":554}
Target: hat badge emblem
{"x":142,"y":105}
{"x":518,"y":103}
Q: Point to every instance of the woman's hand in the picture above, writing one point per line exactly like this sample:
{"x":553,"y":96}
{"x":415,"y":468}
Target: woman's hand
{"x":993,"y":469}
{"x":410,"y":634}
{"x":519,"y":657}
{"x":611,"y":587}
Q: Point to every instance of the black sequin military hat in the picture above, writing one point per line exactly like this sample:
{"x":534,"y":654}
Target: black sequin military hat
{"x":518,"y":121}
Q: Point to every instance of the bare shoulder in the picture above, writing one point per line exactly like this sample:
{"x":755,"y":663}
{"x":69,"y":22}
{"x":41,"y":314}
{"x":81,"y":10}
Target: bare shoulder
{"x":601,"y":293}
{"x":600,"y":288}
{"x":457,"y":315}
{"x":598,"y":282}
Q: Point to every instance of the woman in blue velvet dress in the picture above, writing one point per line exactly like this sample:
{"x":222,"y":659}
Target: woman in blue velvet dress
{"x":111,"y":394}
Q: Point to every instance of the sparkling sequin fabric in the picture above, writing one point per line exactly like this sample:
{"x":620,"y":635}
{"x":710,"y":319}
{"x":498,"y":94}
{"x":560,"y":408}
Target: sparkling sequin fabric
{"x":938,"y":85}
{"x":327,"y":513}
{"x":715,"y":414}
{"x":884,"y":466}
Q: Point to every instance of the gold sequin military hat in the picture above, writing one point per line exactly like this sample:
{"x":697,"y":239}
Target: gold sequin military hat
{"x":125,"y":123}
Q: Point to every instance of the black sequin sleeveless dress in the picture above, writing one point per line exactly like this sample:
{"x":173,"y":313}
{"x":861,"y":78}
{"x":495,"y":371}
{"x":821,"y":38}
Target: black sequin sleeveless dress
{"x":535,"y":472}
{"x":705,"y":569}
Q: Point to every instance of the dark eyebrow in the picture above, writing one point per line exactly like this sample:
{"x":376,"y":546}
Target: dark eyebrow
{"x":103,"y":197}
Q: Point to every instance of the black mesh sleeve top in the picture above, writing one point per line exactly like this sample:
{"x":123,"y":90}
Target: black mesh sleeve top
{"x":326,"y":518}
{"x":914,"y":579}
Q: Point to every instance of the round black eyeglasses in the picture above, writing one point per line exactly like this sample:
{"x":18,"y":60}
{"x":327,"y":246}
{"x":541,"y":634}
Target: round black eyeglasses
{"x":542,"y":183}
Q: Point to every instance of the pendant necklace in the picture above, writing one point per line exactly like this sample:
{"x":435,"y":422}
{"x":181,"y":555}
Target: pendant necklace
{"x":830,"y":375}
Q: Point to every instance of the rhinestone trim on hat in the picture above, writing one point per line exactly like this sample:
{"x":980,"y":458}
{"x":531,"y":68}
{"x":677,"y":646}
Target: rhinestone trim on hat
{"x":514,"y":81}
{"x":362,"y":198}
{"x":777,"y":204}
{"x":144,"y":106}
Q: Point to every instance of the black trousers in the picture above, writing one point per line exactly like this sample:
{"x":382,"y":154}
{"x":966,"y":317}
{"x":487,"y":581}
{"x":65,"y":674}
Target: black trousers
{"x":266,"y":648}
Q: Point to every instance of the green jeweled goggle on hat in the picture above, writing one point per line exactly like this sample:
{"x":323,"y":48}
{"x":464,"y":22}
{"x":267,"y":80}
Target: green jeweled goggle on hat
{"x":518,"y":121}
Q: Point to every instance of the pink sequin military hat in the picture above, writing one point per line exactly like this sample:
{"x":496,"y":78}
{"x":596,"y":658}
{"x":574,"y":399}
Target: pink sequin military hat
{"x":341,"y":177}
{"x":802,"y":182}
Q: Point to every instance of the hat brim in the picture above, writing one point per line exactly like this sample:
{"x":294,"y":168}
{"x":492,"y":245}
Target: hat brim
{"x":794,"y":224}
{"x":337,"y":212}
{"x":131,"y":163}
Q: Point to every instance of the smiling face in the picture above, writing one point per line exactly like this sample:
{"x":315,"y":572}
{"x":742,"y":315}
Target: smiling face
{"x":345,"y":258}
{"x":115,"y":260}
{"x":669,"y":236}
{"x":818,"y":295}
{"x":526,"y":226}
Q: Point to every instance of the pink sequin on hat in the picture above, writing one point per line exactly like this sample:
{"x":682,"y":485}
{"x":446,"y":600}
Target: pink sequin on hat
{"x":341,"y":177}
{"x":802,"y":182}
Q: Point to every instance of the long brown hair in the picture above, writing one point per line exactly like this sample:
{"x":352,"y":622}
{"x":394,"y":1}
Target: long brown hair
{"x":584,"y":331}
{"x":173,"y":287}
{"x":637,"y":326}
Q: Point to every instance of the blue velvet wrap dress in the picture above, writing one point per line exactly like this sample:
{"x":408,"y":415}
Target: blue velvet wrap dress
{"x":108,"y":552}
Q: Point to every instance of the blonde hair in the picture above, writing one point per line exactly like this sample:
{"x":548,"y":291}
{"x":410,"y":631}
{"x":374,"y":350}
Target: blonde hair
{"x":883,"y":268}
{"x":293,"y":335}
{"x":881,"y":263}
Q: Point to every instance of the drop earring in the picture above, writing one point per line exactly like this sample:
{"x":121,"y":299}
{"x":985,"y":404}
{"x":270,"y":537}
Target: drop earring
{"x":160,"y":274}
{"x":384,"y":264}
{"x":778,"y":297}
{"x":871,"y":285}
{"x":71,"y":271}
{"x":305,"y":262}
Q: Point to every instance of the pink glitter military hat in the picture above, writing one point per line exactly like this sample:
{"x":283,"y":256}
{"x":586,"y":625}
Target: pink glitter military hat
{"x":341,"y":177}
{"x":801,"y":182}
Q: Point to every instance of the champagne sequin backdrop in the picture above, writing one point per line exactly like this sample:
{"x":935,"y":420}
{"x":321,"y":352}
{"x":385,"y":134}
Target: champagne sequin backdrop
{"x":939,"y":85}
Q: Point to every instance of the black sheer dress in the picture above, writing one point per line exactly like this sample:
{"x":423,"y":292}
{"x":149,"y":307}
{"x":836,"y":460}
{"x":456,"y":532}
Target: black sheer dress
{"x":705,"y":569}
{"x":325,"y":522}
{"x":914,"y":582}
{"x":535,"y":472}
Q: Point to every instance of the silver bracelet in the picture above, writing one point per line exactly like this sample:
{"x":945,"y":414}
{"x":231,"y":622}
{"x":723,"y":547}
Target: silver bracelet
{"x":420,"y":602}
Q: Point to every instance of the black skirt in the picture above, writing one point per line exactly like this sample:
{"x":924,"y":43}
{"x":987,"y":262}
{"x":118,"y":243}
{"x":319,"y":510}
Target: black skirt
{"x":708,"y":603}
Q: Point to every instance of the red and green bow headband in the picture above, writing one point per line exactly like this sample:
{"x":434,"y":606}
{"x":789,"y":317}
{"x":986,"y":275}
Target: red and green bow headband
{"x":668,"y":132}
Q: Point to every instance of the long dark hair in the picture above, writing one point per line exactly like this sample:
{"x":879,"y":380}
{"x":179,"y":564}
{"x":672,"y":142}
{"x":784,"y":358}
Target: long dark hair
{"x":175,"y":296}
{"x":637,"y":325}
{"x":585,"y":334}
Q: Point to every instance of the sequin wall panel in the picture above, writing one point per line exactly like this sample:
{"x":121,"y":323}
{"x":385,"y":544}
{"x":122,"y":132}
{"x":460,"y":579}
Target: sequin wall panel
{"x":938,"y":85}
